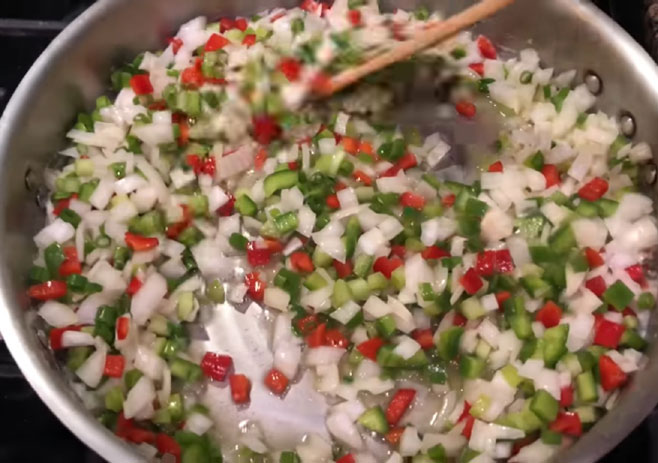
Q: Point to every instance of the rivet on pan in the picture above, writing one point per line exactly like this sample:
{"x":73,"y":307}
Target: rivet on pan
{"x":650,"y":173}
{"x":30,"y":180}
{"x":627,"y":124}
{"x":593,"y":83}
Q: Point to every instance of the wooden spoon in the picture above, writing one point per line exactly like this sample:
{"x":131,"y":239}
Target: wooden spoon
{"x":421,"y":40}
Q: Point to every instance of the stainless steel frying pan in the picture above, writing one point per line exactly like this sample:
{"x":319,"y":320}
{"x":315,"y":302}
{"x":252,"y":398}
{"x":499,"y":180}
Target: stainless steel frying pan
{"x":74,"y":70}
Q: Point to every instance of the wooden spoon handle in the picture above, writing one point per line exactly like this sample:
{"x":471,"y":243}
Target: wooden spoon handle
{"x":418,"y":42}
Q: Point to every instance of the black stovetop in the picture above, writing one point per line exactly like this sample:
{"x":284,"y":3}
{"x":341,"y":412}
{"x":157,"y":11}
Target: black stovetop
{"x":29,"y":432}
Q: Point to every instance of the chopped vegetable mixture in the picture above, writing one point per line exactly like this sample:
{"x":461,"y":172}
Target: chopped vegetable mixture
{"x":494,"y":318}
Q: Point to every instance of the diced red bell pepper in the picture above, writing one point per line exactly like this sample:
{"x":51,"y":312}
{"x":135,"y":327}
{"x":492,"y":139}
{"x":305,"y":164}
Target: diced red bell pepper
{"x":265,"y":129}
{"x":501,"y":297}
{"x":354,"y":17}
{"x":636,"y":272}
{"x":466,"y":109}
{"x":257,"y":256}
{"x":138,"y":436}
{"x":226,"y":24}
{"x":276,"y":381}
{"x":240,"y":388}
{"x":361,"y":177}
{"x":192,"y":77}
{"x":407,"y":161}
{"x":134,"y":286}
{"x":386,"y":266}
{"x":348,"y":458}
{"x":184,"y":133}
{"x":350,"y":145}
{"x":487,"y":49}
{"x":114,"y":365}
{"x":55,"y":335}
{"x":365,"y":147}
{"x":470,"y":420}
{"x":208,"y":166}
{"x":448,"y":200}
{"x":249,"y":40}
{"x":424,"y":337}
{"x":140,"y":243}
{"x":566,"y":396}
{"x":594,"y":189}
{"x":370,"y":347}
{"x":259,"y":160}
{"x":471,"y":281}
{"x":628,"y":312}
{"x":123,"y":327}
{"x":141,"y":84}
{"x":567,"y":423}
{"x":168,"y":445}
{"x":332,"y":201}
{"x":174,"y":229}
{"x":398,"y":250}
{"x":291,"y":68}
{"x":317,"y":337}
{"x":434,"y":252}
{"x":53,"y":289}
{"x":71,"y":264}
{"x":194,"y":161}
{"x":399,"y":405}
{"x":459,"y":320}
{"x":255,"y":286}
{"x":551,"y":175}
{"x":594,"y":259}
{"x":216,"y":42}
{"x":596,"y":285}
{"x":307,"y":324}
{"x":311,"y":6}
{"x":496,"y":167}
{"x":335,"y":338}
{"x":485,"y":263}
{"x":339,"y":186}
{"x":228,"y":208}
{"x":343,"y":270}
{"x":393,"y":435}
{"x":608,"y":334}
{"x":293,"y":165}
{"x":175,"y":43}
{"x":241,"y":23}
{"x":301,"y":262}
{"x":63,"y":204}
{"x":549,"y":315}
{"x":504,"y":262}
{"x":408,"y":199}
{"x":216,"y":366}
{"x":612,"y":376}
{"x":272,"y":245}
{"x":477,"y":68}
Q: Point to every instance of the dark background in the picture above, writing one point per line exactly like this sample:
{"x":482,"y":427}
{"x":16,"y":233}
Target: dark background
{"x":28,"y":430}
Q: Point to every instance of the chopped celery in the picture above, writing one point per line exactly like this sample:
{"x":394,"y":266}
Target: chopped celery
{"x":377,"y":281}
{"x":511,"y":375}
{"x":341,"y":293}
{"x":545,"y":406}
{"x":279,"y":181}
{"x":114,"y":399}
{"x":374,"y":419}
{"x":246,"y":206}
{"x":315,"y":281}
{"x":321,"y":258}
{"x":586,"y":387}
{"x":215,"y":291}
{"x":363,"y":265}
{"x":471,"y":308}
{"x":448,"y":345}
{"x":398,"y":278}
{"x":555,"y":344}
{"x":646,"y":301}
{"x":359,"y":289}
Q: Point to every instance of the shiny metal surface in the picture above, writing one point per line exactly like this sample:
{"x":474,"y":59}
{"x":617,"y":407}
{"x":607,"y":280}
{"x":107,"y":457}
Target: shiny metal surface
{"x":74,"y":70}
